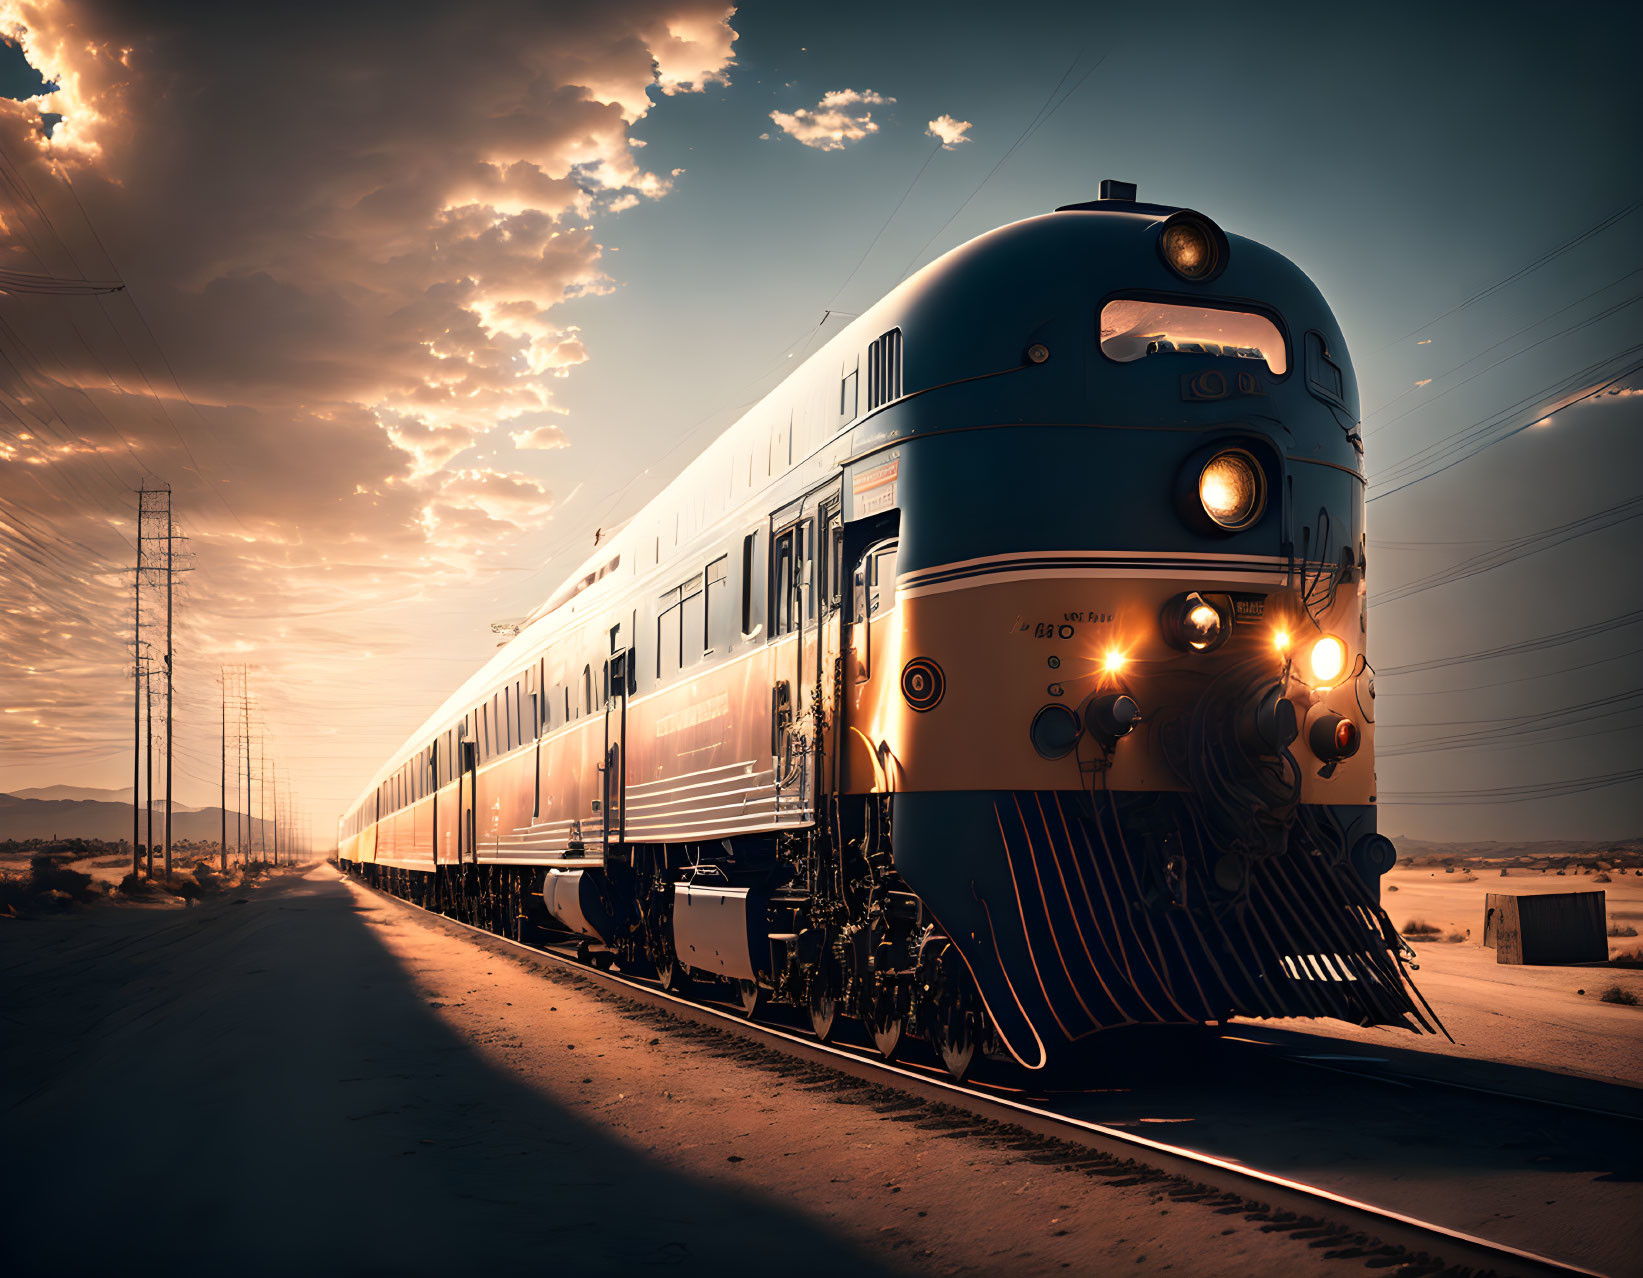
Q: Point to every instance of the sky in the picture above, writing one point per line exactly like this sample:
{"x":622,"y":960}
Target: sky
{"x":417,"y":297}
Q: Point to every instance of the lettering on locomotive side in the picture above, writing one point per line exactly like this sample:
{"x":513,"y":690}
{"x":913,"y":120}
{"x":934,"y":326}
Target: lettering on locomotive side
{"x":874,"y":490}
{"x":714,"y":707}
{"x":1066,"y":628}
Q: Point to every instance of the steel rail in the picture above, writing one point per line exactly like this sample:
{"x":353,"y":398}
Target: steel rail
{"x":1261,"y":1189}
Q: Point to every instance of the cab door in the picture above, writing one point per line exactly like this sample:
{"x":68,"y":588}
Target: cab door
{"x":613,"y":779}
{"x":792,"y":539}
{"x":804,"y":625}
{"x":467,"y":827}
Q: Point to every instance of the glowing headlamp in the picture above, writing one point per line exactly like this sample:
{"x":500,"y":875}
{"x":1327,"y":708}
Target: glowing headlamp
{"x":1328,"y":660}
{"x":1193,"y":624}
{"x":1232,"y":489}
{"x":1192,"y":246}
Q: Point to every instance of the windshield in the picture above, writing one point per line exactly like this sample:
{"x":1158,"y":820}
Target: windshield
{"x":1132,"y":329}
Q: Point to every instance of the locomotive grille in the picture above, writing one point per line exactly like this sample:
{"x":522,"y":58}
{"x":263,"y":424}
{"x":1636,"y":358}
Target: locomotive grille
{"x":884,"y":370}
{"x":1115,"y":942}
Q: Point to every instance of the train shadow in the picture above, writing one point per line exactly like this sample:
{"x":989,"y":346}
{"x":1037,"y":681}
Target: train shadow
{"x":266,"y":1091}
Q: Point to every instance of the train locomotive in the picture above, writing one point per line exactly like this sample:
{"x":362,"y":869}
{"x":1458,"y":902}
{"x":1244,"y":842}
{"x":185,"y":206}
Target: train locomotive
{"x":997,"y":680}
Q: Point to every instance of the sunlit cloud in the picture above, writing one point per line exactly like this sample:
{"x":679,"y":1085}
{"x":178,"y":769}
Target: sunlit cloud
{"x":541,"y":439}
{"x":355,"y":275}
{"x":841,"y":117}
{"x":951,"y":132}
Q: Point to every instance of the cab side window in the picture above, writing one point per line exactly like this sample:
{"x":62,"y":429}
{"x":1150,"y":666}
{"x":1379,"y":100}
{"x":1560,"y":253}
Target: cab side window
{"x":793,"y":578}
{"x":873,"y":594}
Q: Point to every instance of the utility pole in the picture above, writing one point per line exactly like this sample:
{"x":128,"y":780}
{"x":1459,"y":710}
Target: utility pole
{"x":148,"y":700}
{"x":239,"y":791}
{"x":262,"y":777}
{"x":153,"y":504}
{"x":245,"y":713}
{"x":136,"y":679}
{"x":170,"y":574}
{"x":274,"y":784}
{"x":222,"y":846}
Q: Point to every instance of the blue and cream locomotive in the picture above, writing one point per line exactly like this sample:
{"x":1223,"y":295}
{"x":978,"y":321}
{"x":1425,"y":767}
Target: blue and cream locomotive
{"x":998,"y":679}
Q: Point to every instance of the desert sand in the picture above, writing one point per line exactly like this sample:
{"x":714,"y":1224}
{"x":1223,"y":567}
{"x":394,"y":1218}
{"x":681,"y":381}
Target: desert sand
{"x":1550,"y":1018}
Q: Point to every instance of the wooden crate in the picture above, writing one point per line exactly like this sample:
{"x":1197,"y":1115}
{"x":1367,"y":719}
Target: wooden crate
{"x":1546,"y":928}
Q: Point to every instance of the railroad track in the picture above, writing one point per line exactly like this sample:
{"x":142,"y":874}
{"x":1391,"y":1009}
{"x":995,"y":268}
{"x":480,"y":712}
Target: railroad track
{"x":1309,"y":1211}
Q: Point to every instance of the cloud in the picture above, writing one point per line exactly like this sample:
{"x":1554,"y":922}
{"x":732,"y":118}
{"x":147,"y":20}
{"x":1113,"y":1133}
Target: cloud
{"x":951,"y":132}
{"x":341,"y":281}
{"x":541,"y":438}
{"x":841,"y":117}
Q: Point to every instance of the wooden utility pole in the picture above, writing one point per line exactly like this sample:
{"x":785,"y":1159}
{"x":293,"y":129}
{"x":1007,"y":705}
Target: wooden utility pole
{"x":239,"y":793}
{"x":148,"y":701}
{"x":262,"y":778}
{"x":245,"y":713}
{"x":170,"y":574}
{"x":222,"y":846}
{"x":274,"y":784}
{"x":136,"y":683}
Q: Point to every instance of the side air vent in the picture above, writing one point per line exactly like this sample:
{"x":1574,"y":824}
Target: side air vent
{"x":884,"y":370}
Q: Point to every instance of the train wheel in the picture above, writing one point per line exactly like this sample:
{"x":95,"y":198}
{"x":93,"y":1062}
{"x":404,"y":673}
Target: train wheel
{"x":749,"y":991}
{"x":955,"y":1044}
{"x":671,"y":976}
{"x":888,"y":1033}
{"x":953,"y":1014}
{"x":824,"y":1008}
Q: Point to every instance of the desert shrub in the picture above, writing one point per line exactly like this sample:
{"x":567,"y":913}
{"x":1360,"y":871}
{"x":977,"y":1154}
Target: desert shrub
{"x":1420,"y":927}
{"x":1614,"y":994}
{"x":50,"y":875}
{"x":48,"y":885}
{"x":1628,"y":958}
{"x":1456,"y":937}
{"x":1622,"y":929}
{"x":1602,"y":876}
{"x":1503,"y":872}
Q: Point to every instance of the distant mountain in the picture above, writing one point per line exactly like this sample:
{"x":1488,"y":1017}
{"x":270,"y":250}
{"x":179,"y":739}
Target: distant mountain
{"x":22,"y":817}
{"x":95,"y":795}
{"x":1408,"y":849}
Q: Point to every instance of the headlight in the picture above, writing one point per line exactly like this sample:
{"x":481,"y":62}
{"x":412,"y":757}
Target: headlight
{"x":1328,"y":660}
{"x":1192,"y":247}
{"x":1193,"y":624}
{"x":1232,"y":489}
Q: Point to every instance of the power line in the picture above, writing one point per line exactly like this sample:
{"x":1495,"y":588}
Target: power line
{"x":1587,"y":322}
{"x":868,"y":252}
{"x":1520,"y":548}
{"x":1631,"y":655}
{"x":1368,"y":417}
{"x":1510,"y":741}
{"x":1510,"y":794}
{"x":1542,"y":260}
{"x":1571,"y":392}
{"x":51,"y":285}
{"x":1043,"y":114}
{"x":1512,"y":649}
